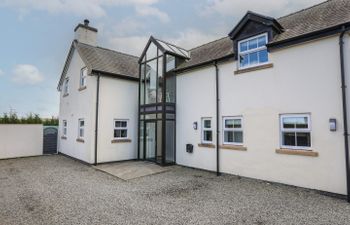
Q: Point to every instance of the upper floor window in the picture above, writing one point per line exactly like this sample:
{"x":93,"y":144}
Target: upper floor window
{"x":207,"y":131}
{"x":253,"y":51}
{"x":233,"y":130}
{"x":120,"y":129}
{"x":83,"y":77}
{"x":296,"y":131}
{"x":81,"y":130}
{"x":64,"y":128}
{"x":66,"y":86}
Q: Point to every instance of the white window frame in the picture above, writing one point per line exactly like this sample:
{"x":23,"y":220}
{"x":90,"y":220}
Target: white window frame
{"x":66,"y":86}
{"x":207,"y":129}
{"x":295,"y":130}
{"x":121,"y":128}
{"x":83,"y":77}
{"x":64,"y":128}
{"x":251,"y":51}
{"x":81,"y":128}
{"x":232,"y":129}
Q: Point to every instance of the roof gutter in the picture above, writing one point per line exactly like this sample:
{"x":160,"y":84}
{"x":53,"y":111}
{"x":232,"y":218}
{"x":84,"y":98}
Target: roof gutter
{"x":345,"y":117}
{"x":207,"y":63}
{"x":307,"y":37}
{"x":97,"y":110}
{"x":114,"y":75}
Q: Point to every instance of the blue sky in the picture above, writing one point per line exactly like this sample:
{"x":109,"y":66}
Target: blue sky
{"x":36,"y":35}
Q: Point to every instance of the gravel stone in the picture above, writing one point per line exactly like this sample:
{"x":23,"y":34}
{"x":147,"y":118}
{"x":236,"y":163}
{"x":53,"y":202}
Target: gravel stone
{"x":58,"y":190}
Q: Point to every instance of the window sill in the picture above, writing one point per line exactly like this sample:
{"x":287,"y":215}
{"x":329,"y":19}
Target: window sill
{"x":206,"y":145}
{"x":121,"y":141}
{"x":297,"y":152}
{"x":80,"y":140}
{"x":82,"y":88}
{"x":234,"y":147}
{"x":65,"y":95}
{"x":64,"y":137}
{"x":255,"y":68}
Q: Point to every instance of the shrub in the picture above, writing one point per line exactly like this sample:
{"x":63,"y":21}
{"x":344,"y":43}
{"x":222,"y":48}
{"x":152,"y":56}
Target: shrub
{"x":12,"y":118}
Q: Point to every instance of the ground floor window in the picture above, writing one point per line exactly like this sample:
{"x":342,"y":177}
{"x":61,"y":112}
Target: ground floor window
{"x":64,"y":128}
{"x":81,"y":130}
{"x":295,"y":131}
{"x":120,"y":129}
{"x":233,"y":130}
{"x":207,"y":130}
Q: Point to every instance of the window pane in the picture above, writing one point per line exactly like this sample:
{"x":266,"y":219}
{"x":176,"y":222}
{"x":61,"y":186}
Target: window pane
{"x":124,"y":133}
{"x":289,"y":123}
{"x":207,"y":123}
{"x":288,"y":139}
{"x":244,"y":60}
{"x":253,"y":44}
{"x":81,"y":132}
{"x":229,"y":123}
{"x":263,"y":56}
{"x":118,"y":123}
{"x":81,"y":122}
{"x":117,"y":133}
{"x":124,"y":124}
{"x":244,"y":46}
{"x":253,"y":58}
{"x":237,"y":123}
{"x":208,"y":135}
{"x":303,"y":140}
{"x":301,"y":122}
{"x":228,"y":136}
{"x":238,"y":137}
{"x":262,"y":41}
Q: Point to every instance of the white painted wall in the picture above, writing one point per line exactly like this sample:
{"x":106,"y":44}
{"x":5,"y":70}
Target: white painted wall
{"x":78,"y":104}
{"x":21,"y":140}
{"x":118,"y":100}
{"x":195,"y":99}
{"x":304,"y":79}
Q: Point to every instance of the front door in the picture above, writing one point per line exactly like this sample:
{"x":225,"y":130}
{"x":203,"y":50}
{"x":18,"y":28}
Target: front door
{"x":150,"y":143}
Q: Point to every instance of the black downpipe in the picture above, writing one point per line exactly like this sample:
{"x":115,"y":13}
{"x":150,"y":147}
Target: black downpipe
{"x":217,"y":120}
{"x":345,"y":117}
{"x":96,"y":118}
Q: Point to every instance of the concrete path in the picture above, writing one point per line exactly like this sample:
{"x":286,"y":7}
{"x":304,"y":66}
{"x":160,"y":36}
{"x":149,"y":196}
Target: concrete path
{"x":132,"y":169}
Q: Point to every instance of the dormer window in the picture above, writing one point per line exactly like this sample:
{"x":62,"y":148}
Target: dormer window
{"x":252,"y":51}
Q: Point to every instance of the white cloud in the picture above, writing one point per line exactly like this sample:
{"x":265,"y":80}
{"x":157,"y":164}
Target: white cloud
{"x":187,"y":39}
{"x":91,"y":8}
{"x":1,"y":72}
{"x":132,"y":44}
{"x":191,"y":38}
{"x":26,"y":74}
{"x":268,"y":7}
{"x":151,"y":11}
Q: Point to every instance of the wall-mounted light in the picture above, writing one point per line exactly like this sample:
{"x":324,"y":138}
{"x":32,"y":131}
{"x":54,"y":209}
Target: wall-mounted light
{"x":195,"y":125}
{"x":332,"y":124}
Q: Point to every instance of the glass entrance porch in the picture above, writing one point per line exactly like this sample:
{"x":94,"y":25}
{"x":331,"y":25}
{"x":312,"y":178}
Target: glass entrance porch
{"x":157,"y":101}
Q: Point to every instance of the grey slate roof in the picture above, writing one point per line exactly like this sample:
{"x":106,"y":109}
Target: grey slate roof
{"x":208,"y":52}
{"x":108,"y":61}
{"x":316,"y":18}
{"x":319,"y":17}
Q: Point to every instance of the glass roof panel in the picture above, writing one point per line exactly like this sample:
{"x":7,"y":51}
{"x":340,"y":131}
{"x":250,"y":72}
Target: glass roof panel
{"x":174,"y":49}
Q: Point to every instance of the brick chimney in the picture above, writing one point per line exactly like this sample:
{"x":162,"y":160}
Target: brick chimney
{"x":86,"y":34}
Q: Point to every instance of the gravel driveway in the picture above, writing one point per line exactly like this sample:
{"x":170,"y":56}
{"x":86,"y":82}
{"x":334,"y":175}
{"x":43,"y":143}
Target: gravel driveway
{"x":57,"y":190}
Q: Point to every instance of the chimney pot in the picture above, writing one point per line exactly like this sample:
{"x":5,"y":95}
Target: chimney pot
{"x":86,"y":22}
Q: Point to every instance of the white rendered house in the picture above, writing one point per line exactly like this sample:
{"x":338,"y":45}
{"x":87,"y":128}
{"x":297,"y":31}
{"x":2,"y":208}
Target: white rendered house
{"x":269,"y":101}
{"x":98,"y":102}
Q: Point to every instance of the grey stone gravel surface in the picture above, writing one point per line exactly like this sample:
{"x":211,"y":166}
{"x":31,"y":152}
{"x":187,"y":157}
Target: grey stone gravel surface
{"x":58,"y":190}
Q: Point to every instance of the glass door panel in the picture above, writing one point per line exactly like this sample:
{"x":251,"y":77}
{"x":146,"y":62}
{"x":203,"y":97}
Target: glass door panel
{"x":150,"y":143}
